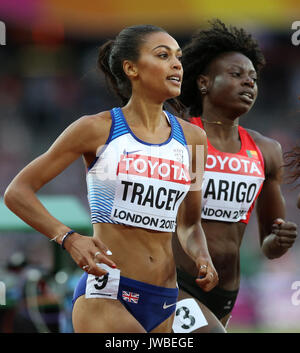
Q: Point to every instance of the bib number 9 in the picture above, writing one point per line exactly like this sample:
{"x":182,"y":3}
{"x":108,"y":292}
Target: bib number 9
{"x":101,"y":281}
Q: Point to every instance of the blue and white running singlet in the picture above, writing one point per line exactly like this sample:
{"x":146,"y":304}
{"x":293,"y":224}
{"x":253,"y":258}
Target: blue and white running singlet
{"x":136,"y":183}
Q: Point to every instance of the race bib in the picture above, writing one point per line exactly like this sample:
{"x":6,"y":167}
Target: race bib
{"x":149,"y":191}
{"x":228,"y":197}
{"x":106,"y":286}
{"x":188,"y":316}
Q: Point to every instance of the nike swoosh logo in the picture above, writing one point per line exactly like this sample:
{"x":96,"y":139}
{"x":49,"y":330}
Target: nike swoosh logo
{"x":166,"y":306}
{"x":124,"y":152}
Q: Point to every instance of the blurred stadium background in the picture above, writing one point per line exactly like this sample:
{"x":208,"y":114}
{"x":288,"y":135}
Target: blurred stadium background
{"x":48,"y":78}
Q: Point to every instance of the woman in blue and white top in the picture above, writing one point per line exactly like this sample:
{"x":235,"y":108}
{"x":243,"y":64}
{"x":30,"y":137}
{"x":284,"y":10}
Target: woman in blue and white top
{"x":141,"y":183}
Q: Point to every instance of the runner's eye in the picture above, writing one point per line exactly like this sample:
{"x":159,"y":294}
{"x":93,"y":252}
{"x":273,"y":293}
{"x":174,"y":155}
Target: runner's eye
{"x":163,"y":55}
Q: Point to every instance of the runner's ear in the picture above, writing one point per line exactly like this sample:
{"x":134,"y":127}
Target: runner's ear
{"x":130,"y":69}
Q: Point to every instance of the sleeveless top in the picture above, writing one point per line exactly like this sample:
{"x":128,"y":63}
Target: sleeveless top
{"x":232,"y":181}
{"x":136,"y":183}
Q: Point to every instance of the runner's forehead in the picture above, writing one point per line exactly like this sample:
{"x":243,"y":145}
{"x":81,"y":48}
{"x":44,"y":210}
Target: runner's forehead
{"x":160,"y":40}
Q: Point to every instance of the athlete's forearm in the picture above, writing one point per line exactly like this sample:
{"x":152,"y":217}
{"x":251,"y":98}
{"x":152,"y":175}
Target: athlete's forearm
{"x":193,"y":241}
{"x":21,"y":200}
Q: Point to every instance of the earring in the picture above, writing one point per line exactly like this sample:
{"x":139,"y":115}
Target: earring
{"x":203,"y":90}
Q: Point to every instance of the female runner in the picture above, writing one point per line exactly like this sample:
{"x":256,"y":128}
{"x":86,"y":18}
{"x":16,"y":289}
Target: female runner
{"x":139,"y":181}
{"x":221,"y":66}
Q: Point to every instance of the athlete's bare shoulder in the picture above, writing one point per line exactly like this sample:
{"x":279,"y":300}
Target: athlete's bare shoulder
{"x":270,"y":149}
{"x":96,"y":123}
{"x":264,"y":143}
{"x":91,"y":129}
{"x":194,"y":134}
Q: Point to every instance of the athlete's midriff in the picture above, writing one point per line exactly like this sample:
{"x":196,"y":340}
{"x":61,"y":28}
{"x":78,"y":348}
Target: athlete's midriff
{"x":149,"y":259}
{"x":224,"y":241}
{"x":231,"y":184}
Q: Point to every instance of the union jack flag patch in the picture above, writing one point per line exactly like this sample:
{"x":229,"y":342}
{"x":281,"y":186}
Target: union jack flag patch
{"x":130,"y":297}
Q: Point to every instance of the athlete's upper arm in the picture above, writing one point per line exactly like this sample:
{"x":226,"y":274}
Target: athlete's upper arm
{"x":77,"y":139}
{"x":270,"y":203}
{"x":190,"y":209}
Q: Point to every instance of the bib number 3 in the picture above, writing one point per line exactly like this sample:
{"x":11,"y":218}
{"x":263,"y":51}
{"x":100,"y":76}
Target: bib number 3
{"x":188,"y":316}
{"x":187,"y":320}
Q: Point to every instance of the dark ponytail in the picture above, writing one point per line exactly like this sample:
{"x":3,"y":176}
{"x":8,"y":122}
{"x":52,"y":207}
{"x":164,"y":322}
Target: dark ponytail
{"x":103,"y":65}
{"x":126,"y":46}
{"x":103,"y":58}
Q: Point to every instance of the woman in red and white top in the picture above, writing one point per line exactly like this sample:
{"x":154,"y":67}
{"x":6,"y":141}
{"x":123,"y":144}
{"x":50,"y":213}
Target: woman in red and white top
{"x":220,"y":85}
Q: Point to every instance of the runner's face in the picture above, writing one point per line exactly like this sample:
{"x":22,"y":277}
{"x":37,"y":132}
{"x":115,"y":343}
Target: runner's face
{"x":159,"y":67}
{"x":232,"y":83}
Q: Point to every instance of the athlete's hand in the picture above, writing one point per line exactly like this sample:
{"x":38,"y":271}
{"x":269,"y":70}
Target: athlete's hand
{"x":87,"y":252}
{"x":285,"y":233}
{"x":207,"y":277}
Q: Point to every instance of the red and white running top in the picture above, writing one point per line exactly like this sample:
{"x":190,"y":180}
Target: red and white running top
{"x":232,"y":181}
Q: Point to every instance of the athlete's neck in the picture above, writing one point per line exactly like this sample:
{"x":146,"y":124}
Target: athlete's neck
{"x":220,"y":127}
{"x":218,"y":122}
{"x":220,"y":117}
{"x":148,"y":114}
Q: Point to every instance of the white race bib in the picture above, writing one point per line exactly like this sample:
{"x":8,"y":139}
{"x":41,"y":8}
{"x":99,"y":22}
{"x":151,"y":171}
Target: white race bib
{"x":106,"y":286}
{"x":188,"y":316}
